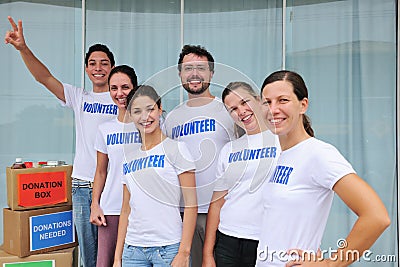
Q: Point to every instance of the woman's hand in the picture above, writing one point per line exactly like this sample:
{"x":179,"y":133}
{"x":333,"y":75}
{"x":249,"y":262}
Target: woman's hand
{"x":182,"y":259}
{"x":97,"y":215}
{"x":117,"y":263}
{"x":208,"y":261}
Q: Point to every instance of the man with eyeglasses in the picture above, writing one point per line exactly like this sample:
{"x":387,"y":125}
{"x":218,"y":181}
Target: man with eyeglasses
{"x":203,"y":123}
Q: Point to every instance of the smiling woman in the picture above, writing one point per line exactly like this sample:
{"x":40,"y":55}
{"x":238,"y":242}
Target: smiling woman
{"x":145,"y":111}
{"x":298,"y":197}
{"x":233,"y":228}
{"x":112,"y":138}
{"x":154,"y":178}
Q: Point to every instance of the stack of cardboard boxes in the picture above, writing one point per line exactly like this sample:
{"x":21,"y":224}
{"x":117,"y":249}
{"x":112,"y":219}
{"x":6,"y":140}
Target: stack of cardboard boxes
{"x":38,"y":225}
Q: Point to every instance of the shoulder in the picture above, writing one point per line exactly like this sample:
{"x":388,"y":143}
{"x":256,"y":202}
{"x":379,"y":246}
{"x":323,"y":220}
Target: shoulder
{"x":322,"y":147}
{"x":326,"y":156}
{"x":175,"y":115}
{"x":170,"y":146}
{"x":108,"y":124}
{"x":71,"y":89}
{"x":218,"y":111}
{"x":178,"y":154}
{"x":228,"y":146}
{"x":312,"y":150}
{"x":218,"y":105}
{"x":234,"y":145}
{"x":177,"y":109}
{"x":99,"y":96}
{"x":218,"y":101}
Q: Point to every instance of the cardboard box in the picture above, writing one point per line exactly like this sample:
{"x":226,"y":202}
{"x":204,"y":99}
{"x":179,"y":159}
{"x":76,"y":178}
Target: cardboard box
{"x":34,"y":188}
{"x":60,"y":258}
{"x":31,"y":232}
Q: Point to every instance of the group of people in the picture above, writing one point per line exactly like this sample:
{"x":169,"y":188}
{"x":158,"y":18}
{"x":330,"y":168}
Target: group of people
{"x":191,"y":189}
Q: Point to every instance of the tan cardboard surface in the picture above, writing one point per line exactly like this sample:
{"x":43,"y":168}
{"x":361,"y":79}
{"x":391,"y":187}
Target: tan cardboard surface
{"x":63,"y":258}
{"x":37,"y":191}
{"x":17,"y":231}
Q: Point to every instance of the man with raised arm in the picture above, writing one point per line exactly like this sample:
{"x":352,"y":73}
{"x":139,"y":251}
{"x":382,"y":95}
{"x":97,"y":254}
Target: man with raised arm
{"x":90,"y":109}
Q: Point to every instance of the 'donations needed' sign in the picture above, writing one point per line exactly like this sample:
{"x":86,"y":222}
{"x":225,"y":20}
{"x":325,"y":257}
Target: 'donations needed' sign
{"x":50,"y":230}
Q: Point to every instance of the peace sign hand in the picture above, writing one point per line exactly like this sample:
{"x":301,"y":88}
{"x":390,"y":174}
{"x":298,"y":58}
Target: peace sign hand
{"x":16,"y":36}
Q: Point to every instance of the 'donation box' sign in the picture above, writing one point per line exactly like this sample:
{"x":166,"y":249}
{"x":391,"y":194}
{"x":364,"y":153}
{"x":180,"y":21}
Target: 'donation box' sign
{"x":42,"y":188}
{"x":50,"y":230}
{"x":43,"y":263}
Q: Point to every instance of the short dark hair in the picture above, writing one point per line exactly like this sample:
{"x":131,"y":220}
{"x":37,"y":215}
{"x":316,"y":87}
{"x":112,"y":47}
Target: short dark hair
{"x":198,"y":51}
{"x":100,"y":48}
{"x":125,"y":69}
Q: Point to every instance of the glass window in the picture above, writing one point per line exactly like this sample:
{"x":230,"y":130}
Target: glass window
{"x":34,"y":126}
{"x":346,"y":51}
{"x":142,"y":34}
{"x":244,"y":35}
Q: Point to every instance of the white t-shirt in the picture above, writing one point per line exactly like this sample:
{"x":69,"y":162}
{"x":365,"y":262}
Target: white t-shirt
{"x":298,"y":198}
{"x":151,"y":177}
{"x":205,"y":130}
{"x":90,"y":110}
{"x":114,"y":138}
{"x":243,"y":165}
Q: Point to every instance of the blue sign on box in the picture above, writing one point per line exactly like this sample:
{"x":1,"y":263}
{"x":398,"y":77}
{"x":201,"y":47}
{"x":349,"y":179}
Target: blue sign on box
{"x":50,"y":230}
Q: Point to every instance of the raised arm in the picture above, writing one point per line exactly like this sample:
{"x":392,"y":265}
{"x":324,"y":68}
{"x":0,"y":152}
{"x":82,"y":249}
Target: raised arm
{"x":38,"y":70}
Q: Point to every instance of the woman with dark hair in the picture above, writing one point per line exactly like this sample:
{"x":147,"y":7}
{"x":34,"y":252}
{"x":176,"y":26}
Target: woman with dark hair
{"x":113,"y":137}
{"x":151,"y":231}
{"x":298,"y":197}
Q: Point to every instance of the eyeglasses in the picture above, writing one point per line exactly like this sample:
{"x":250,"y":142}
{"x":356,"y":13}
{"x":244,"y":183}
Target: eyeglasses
{"x":199,"y":68}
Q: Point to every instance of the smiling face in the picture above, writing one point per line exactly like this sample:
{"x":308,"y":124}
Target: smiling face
{"x":195,"y":74}
{"x":284,"y":112}
{"x":120,"y":86}
{"x":245,"y":110}
{"x":145,"y":114}
{"x":98,"y":69}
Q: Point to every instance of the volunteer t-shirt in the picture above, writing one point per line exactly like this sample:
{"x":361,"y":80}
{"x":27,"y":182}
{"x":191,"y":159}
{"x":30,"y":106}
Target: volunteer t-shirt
{"x":205,"y":130}
{"x":243,"y":166}
{"x":151,"y":177}
{"x":298,"y":198}
{"x":115,"y":138}
{"x":90,"y":110}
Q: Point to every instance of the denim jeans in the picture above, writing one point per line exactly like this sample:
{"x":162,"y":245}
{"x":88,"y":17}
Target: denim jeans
{"x":86,"y":232}
{"x":235,"y":252}
{"x":149,"y":256}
